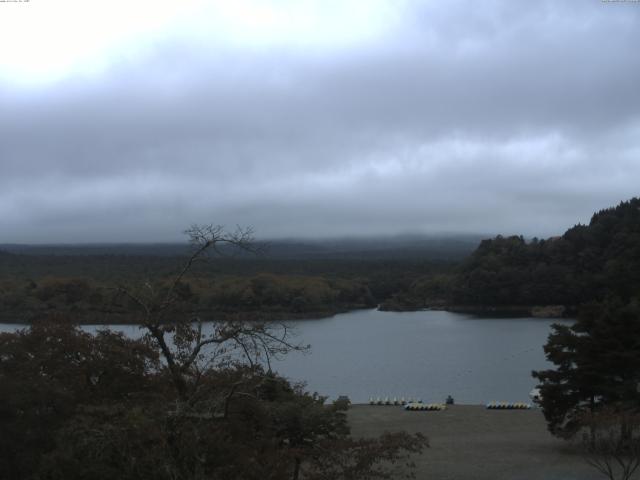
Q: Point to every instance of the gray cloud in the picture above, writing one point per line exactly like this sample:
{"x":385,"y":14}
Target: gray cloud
{"x":513,"y":117}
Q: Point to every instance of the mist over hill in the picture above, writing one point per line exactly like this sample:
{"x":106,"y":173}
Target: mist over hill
{"x":447,"y":247}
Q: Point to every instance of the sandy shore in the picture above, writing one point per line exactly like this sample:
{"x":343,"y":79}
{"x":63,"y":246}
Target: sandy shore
{"x":471,"y":442}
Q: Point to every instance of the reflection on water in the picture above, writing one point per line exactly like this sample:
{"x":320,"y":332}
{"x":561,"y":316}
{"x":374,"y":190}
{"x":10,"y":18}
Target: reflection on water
{"x":413,"y":354}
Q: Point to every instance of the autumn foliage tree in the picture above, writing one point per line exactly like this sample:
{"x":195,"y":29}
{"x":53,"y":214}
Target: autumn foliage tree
{"x":52,"y":371}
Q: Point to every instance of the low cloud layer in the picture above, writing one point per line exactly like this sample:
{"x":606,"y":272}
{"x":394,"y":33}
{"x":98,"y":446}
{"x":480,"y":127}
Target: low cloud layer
{"x":510,"y":117}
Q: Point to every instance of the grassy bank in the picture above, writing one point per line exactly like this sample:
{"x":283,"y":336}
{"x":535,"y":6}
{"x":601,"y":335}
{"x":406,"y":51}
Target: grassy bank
{"x":471,"y":442}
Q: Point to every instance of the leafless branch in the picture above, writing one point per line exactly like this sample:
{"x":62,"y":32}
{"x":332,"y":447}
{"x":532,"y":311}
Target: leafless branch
{"x":182,"y":343}
{"x":613,"y":445}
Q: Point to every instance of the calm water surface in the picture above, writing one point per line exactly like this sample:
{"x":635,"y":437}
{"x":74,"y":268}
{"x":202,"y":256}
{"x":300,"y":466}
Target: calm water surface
{"x":421,"y":354}
{"x":427,"y":354}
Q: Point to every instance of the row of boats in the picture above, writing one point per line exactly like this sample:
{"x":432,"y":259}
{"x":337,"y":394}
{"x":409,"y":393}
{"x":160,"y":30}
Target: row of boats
{"x":425,"y":406}
{"x":508,"y":406}
{"x":394,"y":401}
{"x":413,"y":404}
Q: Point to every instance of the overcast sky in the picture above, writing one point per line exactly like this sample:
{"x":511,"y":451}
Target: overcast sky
{"x":129,"y":121}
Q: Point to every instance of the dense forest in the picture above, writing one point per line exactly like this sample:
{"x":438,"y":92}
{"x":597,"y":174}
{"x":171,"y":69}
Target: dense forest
{"x":587,"y":263}
{"x":284,"y":279}
{"x":289,"y":279}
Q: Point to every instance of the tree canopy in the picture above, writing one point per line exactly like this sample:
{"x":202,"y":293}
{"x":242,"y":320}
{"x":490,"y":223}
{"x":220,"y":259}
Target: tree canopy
{"x":597,"y":364}
{"x":587,"y":263}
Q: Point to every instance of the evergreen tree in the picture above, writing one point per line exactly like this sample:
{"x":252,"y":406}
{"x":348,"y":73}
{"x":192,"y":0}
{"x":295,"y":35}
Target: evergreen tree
{"x":597,"y":364}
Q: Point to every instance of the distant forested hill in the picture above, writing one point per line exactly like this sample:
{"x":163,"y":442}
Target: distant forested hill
{"x":299,"y":278}
{"x":587,"y":263}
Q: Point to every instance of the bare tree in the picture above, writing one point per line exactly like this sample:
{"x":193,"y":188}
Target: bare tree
{"x":188,"y":346}
{"x":612,"y":445}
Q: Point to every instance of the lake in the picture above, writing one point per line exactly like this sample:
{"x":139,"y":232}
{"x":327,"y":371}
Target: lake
{"x":426,"y":355}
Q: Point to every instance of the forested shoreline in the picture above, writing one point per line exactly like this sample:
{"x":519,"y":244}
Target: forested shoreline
{"x":510,"y":274}
{"x":85,"y":287}
{"x":504,"y":275}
